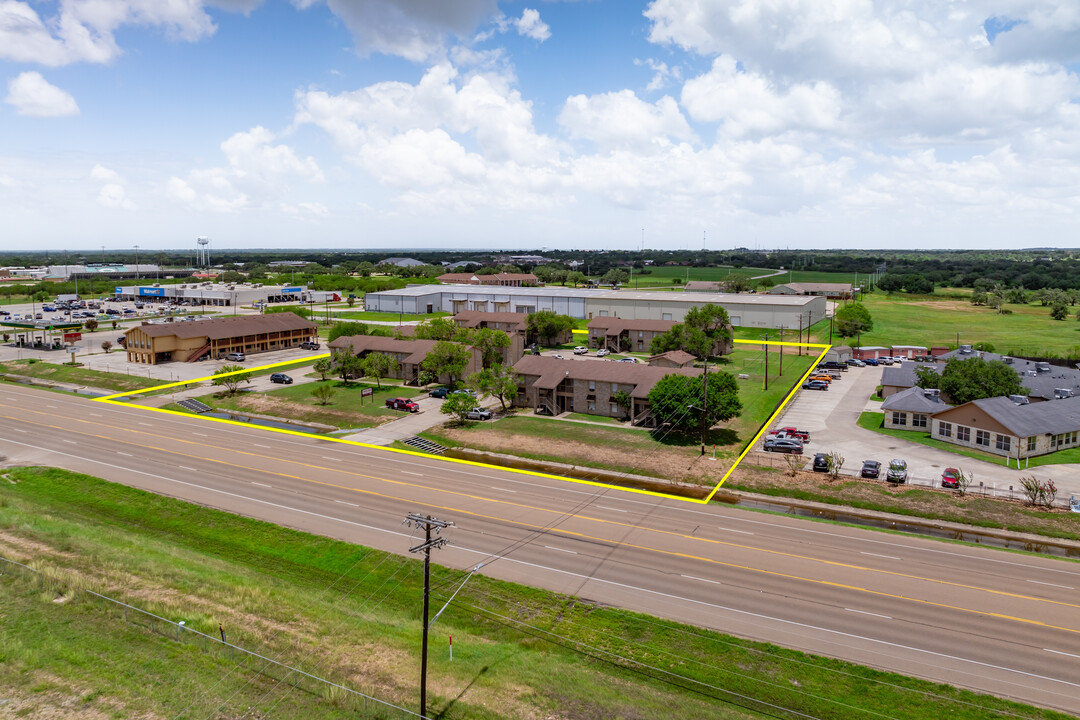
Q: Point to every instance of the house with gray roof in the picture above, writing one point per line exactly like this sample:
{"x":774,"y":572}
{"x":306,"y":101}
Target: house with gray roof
{"x":1040,"y":380}
{"x":401,"y":262}
{"x":1003,"y":427}
{"x":912,"y":409}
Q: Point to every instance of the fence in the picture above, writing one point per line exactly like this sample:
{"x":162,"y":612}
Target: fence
{"x":1009,"y":492}
{"x":247,"y":660}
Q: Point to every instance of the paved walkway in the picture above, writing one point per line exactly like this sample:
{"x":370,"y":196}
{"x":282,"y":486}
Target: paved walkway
{"x":410,"y":424}
{"x":831,"y":419}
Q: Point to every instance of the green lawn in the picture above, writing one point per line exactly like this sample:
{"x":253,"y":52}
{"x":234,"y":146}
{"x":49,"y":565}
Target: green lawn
{"x":77,"y":375}
{"x":595,"y":419}
{"x":349,"y":613}
{"x":875,"y":421}
{"x":929,"y":321}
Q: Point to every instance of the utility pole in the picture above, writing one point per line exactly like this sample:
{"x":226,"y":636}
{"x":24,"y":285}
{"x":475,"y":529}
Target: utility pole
{"x":766,"y":346}
{"x":780,"y":351}
{"x":428,"y":523}
{"x":704,"y":402}
{"x":136,"y":264}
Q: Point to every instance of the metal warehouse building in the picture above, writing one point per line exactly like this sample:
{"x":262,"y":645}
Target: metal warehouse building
{"x":216,"y":294}
{"x":765,"y":311}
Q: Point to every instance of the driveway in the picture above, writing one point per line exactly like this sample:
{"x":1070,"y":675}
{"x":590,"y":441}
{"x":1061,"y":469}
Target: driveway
{"x":831,"y":417}
{"x":410,"y":424}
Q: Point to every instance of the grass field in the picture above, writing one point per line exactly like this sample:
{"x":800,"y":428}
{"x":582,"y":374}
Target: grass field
{"x":76,"y":375}
{"x":350,"y":614}
{"x":875,"y":421}
{"x":926,"y":321}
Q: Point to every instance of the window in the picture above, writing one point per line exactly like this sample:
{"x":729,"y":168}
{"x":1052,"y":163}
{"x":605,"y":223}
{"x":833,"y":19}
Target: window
{"x":1031,"y":444}
{"x":918,"y":420}
{"x":982,"y":438}
{"x":614,"y":387}
{"x":640,"y":334}
{"x":592,"y":406}
{"x":899,"y":418}
{"x":944,"y":429}
{"x":614,"y":409}
{"x":1003,"y":442}
{"x":963,"y":433}
{"x":603,"y":313}
{"x":592,"y":386}
{"x":666,"y":316}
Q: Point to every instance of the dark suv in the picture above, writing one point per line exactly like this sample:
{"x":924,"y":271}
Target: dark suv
{"x":309,"y":345}
{"x":281,"y":378}
{"x":821,"y":462}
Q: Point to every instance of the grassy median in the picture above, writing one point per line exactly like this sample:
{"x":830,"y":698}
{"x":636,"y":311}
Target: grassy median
{"x":351,"y":614}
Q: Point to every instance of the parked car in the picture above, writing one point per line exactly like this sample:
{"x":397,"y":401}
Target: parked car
{"x":950,"y":478}
{"x":309,"y":345}
{"x":870,"y":361}
{"x":281,"y":378}
{"x":885,"y":360}
{"x":815,"y":385}
{"x":870,"y":469}
{"x":236,"y":357}
{"x":439,"y":392}
{"x":464,"y":391}
{"x":557,"y":355}
{"x":823,"y":378}
{"x":802,"y":435}
{"x":784,"y":445}
{"x":603,"y":352}
{"x":581,"y":350}
{"x":627,"y":360}
{"x":855,"y":362}
{"x":402,"y":404}
{"x":833,"y":365}
{"x":821,"y":462}
{"x":478,"y":414}
{"x":897,"y":471}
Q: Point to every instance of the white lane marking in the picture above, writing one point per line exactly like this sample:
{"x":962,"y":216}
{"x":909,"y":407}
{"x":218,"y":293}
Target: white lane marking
{"x":342,"y":502}
{"x":502,"y":489}
{"x":71,"y":442}
{"x":260,"y":484}
{"x":51,"y":407}
{"x":406,"y":472}
{"x":1063,"y":587}
{"x":741,"y":532}
{"x":625,"y":586}
{"x":95,"y":415}
{"x":146,"y":424}
{"x":1058,"y":652}
{"x":18,"y":430}
{"x":327,"y":457}
{"x":124,"y":454}
{"x":267,"y":447}
{"x":560,"y":550}
{"x":201,"y":434}
{"x":691,"y":577}
{"x":863,"y":612}
{"x":887,"y":557}
{"x":605,"y":507}
{"x":185,"y":467}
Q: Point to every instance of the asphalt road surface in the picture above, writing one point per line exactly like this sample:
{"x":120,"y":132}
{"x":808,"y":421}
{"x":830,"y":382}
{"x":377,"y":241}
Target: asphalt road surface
{"x":1002,"y":623}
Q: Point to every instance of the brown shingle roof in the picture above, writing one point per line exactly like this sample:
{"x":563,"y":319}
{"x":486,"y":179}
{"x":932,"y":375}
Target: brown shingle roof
{"x":229,"y":327}
{"x":680,"y":357}
{"x":614,"y":325}
{"x":551,"y":371}
{"x":473,"y":318}
{"x":414,"y":351}
{"x":459,"y":278}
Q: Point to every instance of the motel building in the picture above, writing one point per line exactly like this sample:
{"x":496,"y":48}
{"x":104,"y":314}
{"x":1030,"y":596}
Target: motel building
{"x":188,"y":341}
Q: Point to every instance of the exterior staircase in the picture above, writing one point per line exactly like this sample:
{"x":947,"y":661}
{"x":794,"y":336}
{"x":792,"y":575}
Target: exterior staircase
{"x":199,"y":353}
{"x":423,"y":445}
{"x":194,"y":406}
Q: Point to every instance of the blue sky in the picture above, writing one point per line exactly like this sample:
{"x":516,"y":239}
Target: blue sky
{"x":476,"y":123}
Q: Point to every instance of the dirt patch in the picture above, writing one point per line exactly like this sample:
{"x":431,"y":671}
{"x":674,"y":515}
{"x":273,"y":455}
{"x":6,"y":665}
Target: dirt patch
{"x":62,"y":702}
{"x":278,"y":407}
{"x":942,"y":304}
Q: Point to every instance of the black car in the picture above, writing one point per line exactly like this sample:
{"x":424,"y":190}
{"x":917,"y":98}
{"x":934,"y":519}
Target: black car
{"x":784,"y":445}
{"x":870,"y":469}
{"x":815,"y":385}
{"x":309,"y":345}
{"x":281,"y":378}
{"x":439,"y":392}
{"x":821,"y":462}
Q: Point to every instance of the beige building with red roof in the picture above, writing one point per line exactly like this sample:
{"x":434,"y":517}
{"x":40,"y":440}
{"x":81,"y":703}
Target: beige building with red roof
{"x":499,"y":279}
{"x":187,"y":341}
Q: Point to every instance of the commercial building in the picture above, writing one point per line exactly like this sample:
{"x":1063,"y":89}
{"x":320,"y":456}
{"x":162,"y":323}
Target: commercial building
{"x":911,"y":409}
{"x":499,"y":279}
{"x":409,"y":354}
{"x":552,"y":386}
{"x":187,"y":341}
{"x":216,"y":294}
{"x":1002,"y":427}
{"x":838,"y":291}
{"x":745,"y":310}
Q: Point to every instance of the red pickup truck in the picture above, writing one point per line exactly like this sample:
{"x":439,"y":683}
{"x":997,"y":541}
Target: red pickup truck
{"x":792,"y":432}
{"x":402,"y":404}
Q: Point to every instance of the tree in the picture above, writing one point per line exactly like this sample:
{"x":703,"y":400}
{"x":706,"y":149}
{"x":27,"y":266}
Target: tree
{"x":615,"y":276}
{"x":737,"y":283}
{"x":323,"y":393}
{"x":963,"y":482}
{"x":230,"y":377}
{"x":91,"y":325}
{"x":491,"y":343}
{"x":677,"y":400}
{"x":853,"y":320}
{"x":379,"y":365}
{"x":351,"y":301}
{"x":890,"y":282}
{"x":458,"y":404}
{"x":347,"y":364}
{"x":1039,"y":492}
{"x":1059,"y":311}
{"x":447,"y":358}
{"x":979,"y":298}
{"x":498,"y":381}
{"x":106,"y":345}
{"x":436,"y":329}
{"x":834,"y":461}
{"x":576,"y":277}
{"x":971,"y":379}
{"x":713,"y":320}
{"x":345,"y":329}
{"x":682,"y":337}
{"x":545,"y":326}
{"x":323,"y":366}
{"x":622,"y":399}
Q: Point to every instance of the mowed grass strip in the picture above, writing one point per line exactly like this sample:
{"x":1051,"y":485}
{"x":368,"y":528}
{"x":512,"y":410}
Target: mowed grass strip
{"x":352,"y":614}
{"x":57,"y":372}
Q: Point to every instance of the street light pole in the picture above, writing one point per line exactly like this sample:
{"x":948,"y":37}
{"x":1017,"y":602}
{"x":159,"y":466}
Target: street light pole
{"x":136,"y":264}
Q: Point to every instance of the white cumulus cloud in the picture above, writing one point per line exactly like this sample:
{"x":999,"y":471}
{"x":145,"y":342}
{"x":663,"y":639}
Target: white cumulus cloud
{"x":112,"y":193}
{"x":621,"y":119}
{"x":34,"y":96}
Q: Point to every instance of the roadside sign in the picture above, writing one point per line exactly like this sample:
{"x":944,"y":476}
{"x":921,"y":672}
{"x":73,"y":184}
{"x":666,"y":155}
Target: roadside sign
{"x":365,"y":392}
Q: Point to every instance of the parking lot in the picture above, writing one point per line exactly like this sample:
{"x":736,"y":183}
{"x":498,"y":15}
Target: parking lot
{"x":831,"y":417}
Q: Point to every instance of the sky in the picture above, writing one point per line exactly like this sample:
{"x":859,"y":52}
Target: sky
{"x":589,"y":124}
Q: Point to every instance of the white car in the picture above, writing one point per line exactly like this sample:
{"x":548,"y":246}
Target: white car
{"x":581,"y":350}
{"x":602,"y":352}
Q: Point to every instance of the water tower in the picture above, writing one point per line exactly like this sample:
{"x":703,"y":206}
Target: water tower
{"x":202,"y":252}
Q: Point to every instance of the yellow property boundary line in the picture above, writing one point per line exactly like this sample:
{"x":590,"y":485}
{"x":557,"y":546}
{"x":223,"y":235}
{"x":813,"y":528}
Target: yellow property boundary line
{"x":111,"y":400}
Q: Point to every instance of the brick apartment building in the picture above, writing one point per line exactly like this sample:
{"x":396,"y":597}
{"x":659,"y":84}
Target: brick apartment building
{"x":408,"y":353}
{"x":155,"y":342}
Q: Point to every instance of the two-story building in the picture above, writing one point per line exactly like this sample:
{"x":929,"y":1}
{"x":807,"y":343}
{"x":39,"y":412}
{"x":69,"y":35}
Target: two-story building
{"x":409,"y":354}
{"x":179,"y":341}
{"x":515,"y":325}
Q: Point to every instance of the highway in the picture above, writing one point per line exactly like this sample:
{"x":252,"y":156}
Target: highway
{"x":997,"y":622}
